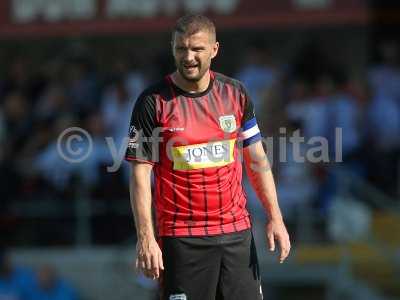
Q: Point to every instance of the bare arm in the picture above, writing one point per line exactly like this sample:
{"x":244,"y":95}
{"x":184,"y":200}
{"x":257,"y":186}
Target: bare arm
{"x":140,"y":194}
{"x":261,"y":179}
{"x":149,"y":257}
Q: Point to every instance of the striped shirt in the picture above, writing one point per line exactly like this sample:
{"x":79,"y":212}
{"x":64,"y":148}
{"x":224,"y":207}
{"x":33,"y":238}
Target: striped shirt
{"x":193,"y":141}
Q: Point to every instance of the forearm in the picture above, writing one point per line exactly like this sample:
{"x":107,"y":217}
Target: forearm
{"x":141,"y":203}
{"x":149,"y":256}
{"x":260,"y":176}
{"x":263,"y":184}
{"x":262,"y":180}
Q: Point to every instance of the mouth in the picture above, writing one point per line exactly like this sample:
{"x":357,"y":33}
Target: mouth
{"x":190,"y":67}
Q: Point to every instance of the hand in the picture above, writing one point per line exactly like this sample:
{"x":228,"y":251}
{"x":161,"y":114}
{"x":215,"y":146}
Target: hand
{"x":149,"y":258}
{"x":276,"y":230}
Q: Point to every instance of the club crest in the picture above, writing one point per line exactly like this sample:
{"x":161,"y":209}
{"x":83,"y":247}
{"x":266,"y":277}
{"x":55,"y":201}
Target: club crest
{"x":227,"y":123}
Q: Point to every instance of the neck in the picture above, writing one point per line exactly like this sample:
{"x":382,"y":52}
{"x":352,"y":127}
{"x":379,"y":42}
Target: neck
{"x":191,"y":86}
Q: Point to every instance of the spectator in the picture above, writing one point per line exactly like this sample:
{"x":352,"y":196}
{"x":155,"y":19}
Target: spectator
{"x":16,"y":127}
{"x":100,"y":156}
{"x":17,"y":121}
{"x":53,"y":103}
{"x":383,"y":119}
{"x":15,"y":282}
{"x":385,"y":76}
{"x":49,"y":286}
{"x":345,"y":114}
{"x":116,"y":110}
{"x":312,"y":111}
{"x":258,"y":73}
{"x":82,"y":86}
{"x":296,"y":185}
{"x":57,"y":171}
{"x":383,"y":126}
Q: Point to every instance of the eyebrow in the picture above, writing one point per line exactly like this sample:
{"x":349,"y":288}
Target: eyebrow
{"x":192,"y":47}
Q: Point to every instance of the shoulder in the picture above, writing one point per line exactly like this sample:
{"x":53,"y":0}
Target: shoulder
{"x":224,"y":79}
{"x":153,"y":90}
{"x":147,"y":100}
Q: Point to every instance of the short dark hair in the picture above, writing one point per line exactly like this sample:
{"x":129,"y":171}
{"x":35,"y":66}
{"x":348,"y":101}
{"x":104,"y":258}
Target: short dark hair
{"x":193,"y":23}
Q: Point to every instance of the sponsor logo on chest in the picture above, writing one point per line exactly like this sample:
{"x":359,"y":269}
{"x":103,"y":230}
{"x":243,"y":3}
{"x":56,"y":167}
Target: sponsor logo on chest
{"x":206,"y":155}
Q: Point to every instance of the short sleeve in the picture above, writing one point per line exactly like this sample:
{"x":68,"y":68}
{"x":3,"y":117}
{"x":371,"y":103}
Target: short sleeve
{"x":141,"y":130}
{"x":250,"y":131}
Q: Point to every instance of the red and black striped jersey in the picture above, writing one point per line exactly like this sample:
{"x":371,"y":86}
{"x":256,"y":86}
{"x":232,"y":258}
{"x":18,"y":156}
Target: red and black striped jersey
{"x":193,"y":142}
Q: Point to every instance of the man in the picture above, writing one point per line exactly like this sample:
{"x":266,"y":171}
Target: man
{"x":186,"y":129}
{"x":16,"y":282}
{"x":50,"y":286}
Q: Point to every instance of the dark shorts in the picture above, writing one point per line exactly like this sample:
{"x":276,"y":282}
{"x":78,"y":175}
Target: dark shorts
{"x":210,"y":268}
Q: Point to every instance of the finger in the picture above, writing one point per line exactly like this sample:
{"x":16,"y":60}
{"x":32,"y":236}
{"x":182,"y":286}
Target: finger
{"x":147,"y":260}
{"x":285,"y":248}
{"x":282,"y":247}
{"x":142,"y":262}
{"x":148,"y":273}
{"x":271,"y":242}
{"x":137,"y":263}
{"x":283,"y":255}
{"x":160,"y":261}
{"x":154,"y":266}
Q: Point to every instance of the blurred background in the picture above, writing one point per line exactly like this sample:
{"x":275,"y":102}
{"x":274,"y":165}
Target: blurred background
{"x":310,"y":65}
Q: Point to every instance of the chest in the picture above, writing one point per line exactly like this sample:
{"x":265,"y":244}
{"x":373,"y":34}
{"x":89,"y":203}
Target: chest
{"x":199,"y":120}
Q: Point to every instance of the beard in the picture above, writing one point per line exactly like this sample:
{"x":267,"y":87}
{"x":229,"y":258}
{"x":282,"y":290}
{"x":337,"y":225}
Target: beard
{"x":198,"y":73}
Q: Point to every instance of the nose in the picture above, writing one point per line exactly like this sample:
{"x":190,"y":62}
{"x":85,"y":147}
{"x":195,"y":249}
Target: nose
{"x":189,"y":56}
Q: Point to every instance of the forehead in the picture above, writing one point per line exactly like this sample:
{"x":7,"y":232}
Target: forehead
{"x":199,"y":37}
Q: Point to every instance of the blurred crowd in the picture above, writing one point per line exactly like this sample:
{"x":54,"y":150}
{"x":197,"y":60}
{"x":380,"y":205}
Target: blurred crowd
{"x":357,"y":113}
{"x":37,"y":103}
{"x":21,"y":283}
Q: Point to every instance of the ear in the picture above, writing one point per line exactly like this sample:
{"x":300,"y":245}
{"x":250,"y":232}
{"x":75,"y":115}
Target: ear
{"x":215,"y":50}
